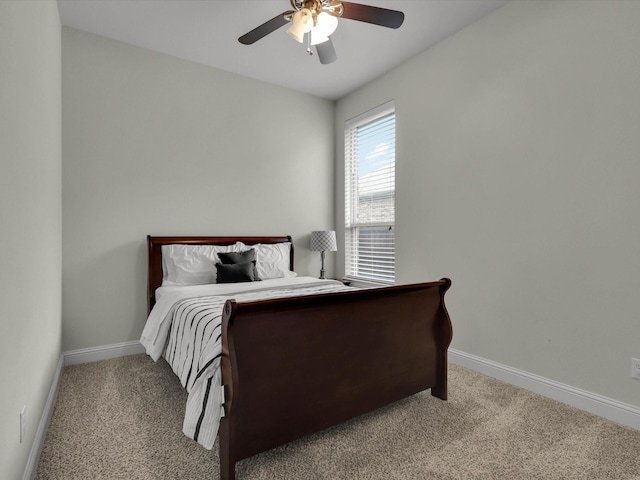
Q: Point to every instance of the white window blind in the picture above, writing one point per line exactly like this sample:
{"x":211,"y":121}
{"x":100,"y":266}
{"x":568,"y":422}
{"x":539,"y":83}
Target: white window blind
{"x":370,"y":152}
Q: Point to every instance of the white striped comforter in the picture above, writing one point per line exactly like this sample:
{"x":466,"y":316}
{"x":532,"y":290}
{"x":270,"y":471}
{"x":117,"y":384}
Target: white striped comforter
{"x":189,"y":331}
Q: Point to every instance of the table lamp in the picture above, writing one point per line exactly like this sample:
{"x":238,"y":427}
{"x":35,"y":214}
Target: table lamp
{"x":322,"y":241}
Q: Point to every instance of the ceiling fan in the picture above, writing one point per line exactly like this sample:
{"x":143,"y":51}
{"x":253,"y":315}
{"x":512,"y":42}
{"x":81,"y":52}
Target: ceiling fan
{"x":319,"y":19}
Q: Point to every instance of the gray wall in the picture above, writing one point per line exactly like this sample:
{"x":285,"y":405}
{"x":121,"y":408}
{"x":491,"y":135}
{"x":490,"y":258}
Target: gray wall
{"x":30,"y":219}
{"x":517,"y":176}
{"x":156,"y":145}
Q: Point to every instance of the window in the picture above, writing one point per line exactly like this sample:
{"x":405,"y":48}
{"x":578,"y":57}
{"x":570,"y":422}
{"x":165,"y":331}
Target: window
{"x":370,"y":154}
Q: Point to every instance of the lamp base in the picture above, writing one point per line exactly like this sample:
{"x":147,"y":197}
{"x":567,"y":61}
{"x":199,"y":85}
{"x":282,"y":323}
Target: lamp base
{"x":322,"y":277}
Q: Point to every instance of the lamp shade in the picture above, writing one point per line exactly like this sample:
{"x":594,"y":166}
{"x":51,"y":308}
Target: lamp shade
{"x":302,"y":23}
{"x":327,"y":24}
{"x":323,"y":240}
{"x":317,"y":38}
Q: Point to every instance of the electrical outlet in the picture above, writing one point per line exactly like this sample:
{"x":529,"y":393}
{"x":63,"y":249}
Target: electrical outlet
{"x":23,"y":423}
{"x":635,"y":368}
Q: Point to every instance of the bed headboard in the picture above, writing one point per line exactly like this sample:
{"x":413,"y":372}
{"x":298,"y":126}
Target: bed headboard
{"x":154,"y":247}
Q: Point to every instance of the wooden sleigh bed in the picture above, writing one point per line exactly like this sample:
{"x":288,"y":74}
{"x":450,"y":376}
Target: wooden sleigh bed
{"x":294,"y":366}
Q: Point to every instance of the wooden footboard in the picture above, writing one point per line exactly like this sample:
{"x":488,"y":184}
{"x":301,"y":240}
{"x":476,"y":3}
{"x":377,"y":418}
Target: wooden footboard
{"x":295,"y":366}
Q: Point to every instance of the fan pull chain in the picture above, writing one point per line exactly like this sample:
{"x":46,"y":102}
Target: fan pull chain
{"x":309,"y":51}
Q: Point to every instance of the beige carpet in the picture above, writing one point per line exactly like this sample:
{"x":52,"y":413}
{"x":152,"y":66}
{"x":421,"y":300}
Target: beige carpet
{"x":122,"y":419}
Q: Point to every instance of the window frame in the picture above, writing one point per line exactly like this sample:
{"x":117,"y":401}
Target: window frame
{"x":351,"y":223}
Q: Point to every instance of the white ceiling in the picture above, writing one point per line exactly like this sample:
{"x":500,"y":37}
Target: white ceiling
{"x":207,"y":31}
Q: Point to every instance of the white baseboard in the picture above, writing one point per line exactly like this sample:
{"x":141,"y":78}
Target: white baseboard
{"x":72,"y":357}
{"x":608,"y":408}
{"x":41,"y":433}
{"x":95,"y":354}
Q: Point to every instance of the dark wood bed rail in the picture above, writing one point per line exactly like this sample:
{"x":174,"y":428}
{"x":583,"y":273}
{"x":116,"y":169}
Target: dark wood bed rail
{"x":154,"y":249}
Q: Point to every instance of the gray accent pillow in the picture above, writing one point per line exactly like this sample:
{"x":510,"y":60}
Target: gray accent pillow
{"x":236,"y":272}
{"x":247,"y":256}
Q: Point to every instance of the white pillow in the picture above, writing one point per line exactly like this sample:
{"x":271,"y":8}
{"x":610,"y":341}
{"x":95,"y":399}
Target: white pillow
{"x":268,"y":270}
{"x":192,"y":264}
{"x":272,"y":259}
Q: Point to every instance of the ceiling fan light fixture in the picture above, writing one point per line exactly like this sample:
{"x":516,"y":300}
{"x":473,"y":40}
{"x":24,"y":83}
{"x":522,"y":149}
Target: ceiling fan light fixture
{"x":319,"y":18}
{"x":302,"y":23}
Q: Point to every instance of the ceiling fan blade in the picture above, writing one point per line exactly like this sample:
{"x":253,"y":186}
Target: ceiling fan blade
{"x":326,"y":52}
{"x":376,"y":15}
{"x":265,"y":29}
